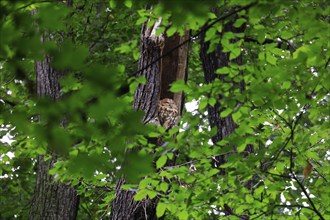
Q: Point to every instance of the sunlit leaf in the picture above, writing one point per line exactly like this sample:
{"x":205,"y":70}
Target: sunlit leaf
{"x":161,"y":161}
{"x":160,"y":210}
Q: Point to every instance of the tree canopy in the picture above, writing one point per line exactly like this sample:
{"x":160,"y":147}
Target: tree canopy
{"x":282,"y":112}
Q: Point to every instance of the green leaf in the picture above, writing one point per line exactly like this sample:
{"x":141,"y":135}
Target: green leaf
{"x":259,"y":190}
{"x":212,"y":101}
{"x":170,"y":156}
{"x":212,"y":172}
{"x":202,"y":104}
{"x":183,"y":215}
{"x":141,"y":79}
{"x":238,"y":23}
{"x":73,"y":153}
{"x":226,"y":112}
{"x":262,"y":56}
{"x":286,"y":85}
{"x":160,"y":209}
{"x":236,"y":115}
{"x":160,"y":30}
{"x":164,"y":187}
{"x":179,"y":86}
{"x":143,"y":141}
{"x":109,"y":198}
{"x":152,"y":194}
{"x":161,"y":161}
{"x":141,"y":20}
{"x":112,"y":3}
{"x":234,"y":53}
{"x":144,"y":183}
{"x":244,"y":110}
{"x":226,"y":165}
{"x":270,"y":58}
{"x":223,"y":70}
{"x":172,"y":30}
{"x":241,"y":148}
{"x":141,"y":194}
{"x":287,"y":35}
{"x":309,"y":54}
{"x":210,"y":34}
{"x":153,"y":134}
{"x":128,"y":3}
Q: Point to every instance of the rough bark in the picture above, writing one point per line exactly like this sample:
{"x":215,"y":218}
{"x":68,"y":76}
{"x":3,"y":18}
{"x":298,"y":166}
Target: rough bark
{"x":147,"y":95}
{"x":51,"y":199}
{"x":211,"y":62}
{"x":160,"y":67}
{"x":225,"y":126}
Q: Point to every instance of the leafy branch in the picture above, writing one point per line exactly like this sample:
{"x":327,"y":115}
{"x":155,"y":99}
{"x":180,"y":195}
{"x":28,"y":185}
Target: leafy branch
{"x":302,"y":186}
{"x":295,"y":123}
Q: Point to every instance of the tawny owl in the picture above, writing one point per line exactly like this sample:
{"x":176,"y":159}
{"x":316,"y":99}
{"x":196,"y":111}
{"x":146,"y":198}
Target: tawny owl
{"x":168,"y":113}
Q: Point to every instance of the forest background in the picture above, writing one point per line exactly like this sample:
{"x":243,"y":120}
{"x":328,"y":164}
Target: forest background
{"x":84,"y":143}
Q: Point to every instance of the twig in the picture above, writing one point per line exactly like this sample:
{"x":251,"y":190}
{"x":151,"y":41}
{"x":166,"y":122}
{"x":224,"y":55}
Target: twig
{"x":306,"y":194}
{"x":320,"y":174}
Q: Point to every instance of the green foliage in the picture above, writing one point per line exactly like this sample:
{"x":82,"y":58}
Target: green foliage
{"x":283,"y":112}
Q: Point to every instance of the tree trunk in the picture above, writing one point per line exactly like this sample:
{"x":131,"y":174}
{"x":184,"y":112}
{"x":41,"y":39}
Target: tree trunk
{"x":225,"y":126}
{"x":161,"y":66}
{"x":51,"y":200}
{"x":211,"y":62}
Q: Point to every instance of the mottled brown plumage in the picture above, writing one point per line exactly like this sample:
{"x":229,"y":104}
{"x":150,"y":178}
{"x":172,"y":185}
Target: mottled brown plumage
{"x":168,"y":113}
